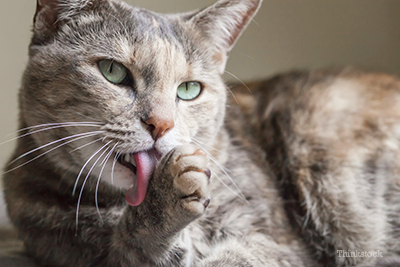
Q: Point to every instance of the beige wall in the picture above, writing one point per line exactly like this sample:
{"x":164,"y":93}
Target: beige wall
{"x":285,"y":34}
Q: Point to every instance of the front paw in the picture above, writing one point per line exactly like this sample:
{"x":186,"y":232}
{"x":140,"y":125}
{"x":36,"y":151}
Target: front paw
{"x":185,"y":171}
{"x":188,"y":166}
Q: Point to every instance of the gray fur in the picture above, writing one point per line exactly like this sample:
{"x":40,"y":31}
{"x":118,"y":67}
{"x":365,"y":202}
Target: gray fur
{"x":281,"y":184}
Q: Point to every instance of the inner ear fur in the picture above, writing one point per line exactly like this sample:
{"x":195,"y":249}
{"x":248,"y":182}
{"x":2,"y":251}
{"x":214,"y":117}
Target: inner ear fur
{"x":46,"y":12}
{"x":51,"y":14}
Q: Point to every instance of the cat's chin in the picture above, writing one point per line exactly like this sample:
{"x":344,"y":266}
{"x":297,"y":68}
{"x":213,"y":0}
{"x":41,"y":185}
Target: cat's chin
{"x":122,"y":177}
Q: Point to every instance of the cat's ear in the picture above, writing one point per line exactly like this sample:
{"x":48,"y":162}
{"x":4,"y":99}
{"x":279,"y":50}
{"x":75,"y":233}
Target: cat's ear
{"x":46,"y":14}
{"x":51,"y":14}
{"x":224,"y":22}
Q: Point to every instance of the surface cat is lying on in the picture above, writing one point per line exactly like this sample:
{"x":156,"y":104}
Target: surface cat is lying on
{"x":131,"y":154}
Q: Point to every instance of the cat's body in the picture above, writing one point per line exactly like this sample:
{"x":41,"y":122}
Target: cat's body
{"x":331,"y":140}
{"x":301,"y":168}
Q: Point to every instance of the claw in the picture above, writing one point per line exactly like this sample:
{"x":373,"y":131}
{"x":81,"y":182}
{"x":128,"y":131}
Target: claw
{"x":206,"y":203}
{"x":208,"y":173}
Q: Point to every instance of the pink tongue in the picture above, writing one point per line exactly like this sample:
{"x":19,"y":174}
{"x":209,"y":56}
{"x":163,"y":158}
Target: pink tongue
{"x":145,"y":164}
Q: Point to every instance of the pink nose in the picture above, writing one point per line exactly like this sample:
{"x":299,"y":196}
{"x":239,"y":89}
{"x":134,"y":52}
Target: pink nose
{"x":159,"y":126}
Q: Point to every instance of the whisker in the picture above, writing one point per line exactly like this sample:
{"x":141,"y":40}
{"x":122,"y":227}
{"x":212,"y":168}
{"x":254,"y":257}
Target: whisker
{"x":221,"y":166}
{"x":218,"y":172}
{"x":237,"y":78}
{"x":86,"y":179}
{"x":222,"y":182}
{"x":82,"y":169}
{"x":230,"y":178}
{"x":46,"y":129}
{"x":88,"y":144}
{"x":234,"y":97}
{"x":104,"y":162}
{"x":112,"y":170}
{"x":63,"y":144}
{"x":226,"y":173}
{"x":54,"y":142}
{"x":105,"y":159}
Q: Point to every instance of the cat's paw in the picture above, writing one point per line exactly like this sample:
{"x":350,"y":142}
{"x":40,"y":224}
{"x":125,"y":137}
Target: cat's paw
{"x":180,"y":183}
{"x":188,"y":166}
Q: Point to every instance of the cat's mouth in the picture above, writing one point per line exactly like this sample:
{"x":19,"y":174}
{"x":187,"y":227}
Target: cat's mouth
{"x":128,"y":161}
{"x":142,"y":164}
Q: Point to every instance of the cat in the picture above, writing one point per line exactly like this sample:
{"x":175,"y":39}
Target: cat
{"x":131,"y":153}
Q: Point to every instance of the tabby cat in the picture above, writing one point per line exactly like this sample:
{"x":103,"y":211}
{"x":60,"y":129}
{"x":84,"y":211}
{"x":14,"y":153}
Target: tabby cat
{"x":131,"y":153}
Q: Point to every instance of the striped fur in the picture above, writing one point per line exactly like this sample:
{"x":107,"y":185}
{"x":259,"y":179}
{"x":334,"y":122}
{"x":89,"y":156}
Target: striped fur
{"x":304,"y":167}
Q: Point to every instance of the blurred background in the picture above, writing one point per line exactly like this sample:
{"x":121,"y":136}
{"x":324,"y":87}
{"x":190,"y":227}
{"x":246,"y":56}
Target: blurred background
{"x":286,"y":34}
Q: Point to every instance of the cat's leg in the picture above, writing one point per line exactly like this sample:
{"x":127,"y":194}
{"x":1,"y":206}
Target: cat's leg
{"x":256,"y":250}
{"x":152,"y":234}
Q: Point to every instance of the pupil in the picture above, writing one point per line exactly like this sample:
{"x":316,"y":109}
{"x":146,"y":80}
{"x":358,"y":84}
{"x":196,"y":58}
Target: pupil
{"x":110,"y":69}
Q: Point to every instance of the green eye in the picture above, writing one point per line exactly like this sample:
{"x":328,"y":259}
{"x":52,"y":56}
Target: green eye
{"x":189,"y":90}
{"x":114,"y":71}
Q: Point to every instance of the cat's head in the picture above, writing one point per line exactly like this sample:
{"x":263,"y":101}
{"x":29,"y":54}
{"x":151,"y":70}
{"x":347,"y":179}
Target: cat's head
{"x":140,"y":81}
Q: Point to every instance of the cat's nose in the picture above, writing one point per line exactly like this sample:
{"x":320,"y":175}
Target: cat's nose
{"x":159,"y":126}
